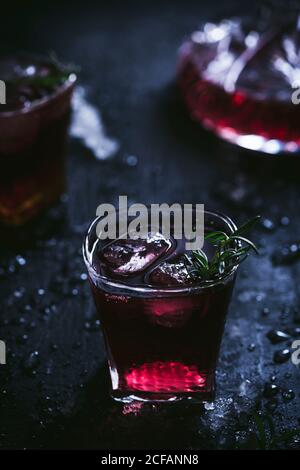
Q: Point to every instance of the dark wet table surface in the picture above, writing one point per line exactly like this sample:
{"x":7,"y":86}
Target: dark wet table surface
{"x":58,"y":397}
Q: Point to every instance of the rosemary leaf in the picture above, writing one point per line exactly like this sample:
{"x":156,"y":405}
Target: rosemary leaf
{"x":247,"y":226}
{"x":231,"y":250}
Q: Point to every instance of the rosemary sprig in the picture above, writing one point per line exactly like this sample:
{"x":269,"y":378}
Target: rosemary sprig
{"x":57,"y":75}
{"x":230,"y":250}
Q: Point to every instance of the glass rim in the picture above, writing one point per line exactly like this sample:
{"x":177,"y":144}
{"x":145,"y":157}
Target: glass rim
{"x":67,"y":85}
{"x":159,"y":291}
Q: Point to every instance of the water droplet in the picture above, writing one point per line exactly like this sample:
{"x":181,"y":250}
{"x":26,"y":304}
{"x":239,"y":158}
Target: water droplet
{"x":41,"y":292}
{"x":265,"y":312}
{"x":48,"y":370}
{"x":288,"y":395}
{"x":20,"y":321}
{"x":18,"y":293}
{"x":31,"y":362}
{"x":32,"y":325}
{"x":12,"y":269}
{"x":92,"y":325}
{"x":251,"y":347}
{"x":53,"y":308}
{"x":209,"y":406}
{"x":22,"y":339}
{"x":46,"y":311}
{"x":268,"y":225}
{"x":287,"y":254}
{"x":277,"y":336}
{"x":270,"y":390}
{"x":83,"y":277}
{"x":20,"y":260}
{"x":282,"y":356}
{"x":131,"y":160}
{"x":294,"y":331}
{"x":285,"y":221}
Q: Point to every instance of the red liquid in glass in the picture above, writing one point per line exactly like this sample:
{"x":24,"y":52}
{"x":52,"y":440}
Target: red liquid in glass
{"x":34,"y":124}
{"x":239,"y":83}
{"x":160,"y":347}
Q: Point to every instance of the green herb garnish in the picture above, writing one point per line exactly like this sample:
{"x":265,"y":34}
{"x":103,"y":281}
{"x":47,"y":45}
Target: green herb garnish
{"x":230,"y":250}
{"x":58,"y":73}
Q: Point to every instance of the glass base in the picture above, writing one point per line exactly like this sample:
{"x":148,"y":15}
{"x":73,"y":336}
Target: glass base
{"x":129,"y":396}
{"x":254,"y":142}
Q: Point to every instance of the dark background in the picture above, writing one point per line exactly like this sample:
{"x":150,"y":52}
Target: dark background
{"x":127,"y":52}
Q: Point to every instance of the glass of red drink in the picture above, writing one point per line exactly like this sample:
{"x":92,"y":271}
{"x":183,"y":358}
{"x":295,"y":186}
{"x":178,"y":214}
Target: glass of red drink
{"x":162,"y":329}
{"x":239,"y":77}
{"x":33,"y":122}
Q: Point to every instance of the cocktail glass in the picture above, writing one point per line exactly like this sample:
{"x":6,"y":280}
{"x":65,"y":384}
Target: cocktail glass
{"x":162,"y":333}
{"x":34,"y":123}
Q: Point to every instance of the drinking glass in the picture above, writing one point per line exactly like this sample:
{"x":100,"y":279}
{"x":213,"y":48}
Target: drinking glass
{"x":162,"y":341}
{"x":32,"y":139}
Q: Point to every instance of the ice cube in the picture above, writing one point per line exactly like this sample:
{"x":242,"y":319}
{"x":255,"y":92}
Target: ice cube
{"x":130,"y":256}
{"x":170,"y":312}
{"x":167,"y":274}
